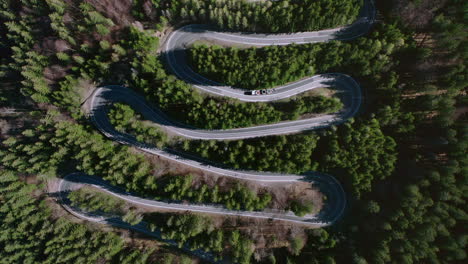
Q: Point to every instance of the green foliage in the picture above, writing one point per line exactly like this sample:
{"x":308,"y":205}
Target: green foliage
{"x":94,"y":20}
{"x":26,"y":28}
{"x":198,"y":232}
{"x":301,"y":208}
{"x":321,"y":247}
{"x":297,"y":244}
{"x":92,"y":201}
{"x":63,"y":56}
{"x":58,"y":9}
{"x":180,"y":101}
{"x":372,"y":207}
{"x":125,"y":120}
{"x":241,"y":248}
{"x":358,"y":154}
{"x":28,"y":234}
{"x":69,"y":95}
{"x":173,"y":96}
{"x":141,"y":41}
{"x":34,"y":82}
{"x":132,"y":217}
{"x":241,"y":197}
{"x":276,"y":153}
{"x":276,"y":65}
{"x":153,"y":10}
{"x":424,"y":218}
{"x":238,"y":197}
{"x":104,"y":45}
{"x":268,"y":16}
{"x":308,"y":104}
{"x":49,"y":148}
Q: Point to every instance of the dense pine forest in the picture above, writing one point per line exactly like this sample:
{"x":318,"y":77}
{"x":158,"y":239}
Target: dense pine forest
{"x":402,"y":160}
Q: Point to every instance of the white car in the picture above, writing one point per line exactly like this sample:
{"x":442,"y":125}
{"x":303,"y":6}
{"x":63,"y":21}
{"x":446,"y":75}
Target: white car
{"x":262,"y":92}
{"x":255,"y":92}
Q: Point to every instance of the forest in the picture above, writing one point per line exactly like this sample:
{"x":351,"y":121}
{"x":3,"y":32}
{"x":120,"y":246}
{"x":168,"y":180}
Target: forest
{"x":283,"y":16}
{"x":186,"y":229}
{"x":264,"y":16}
{"x":50,"y":149}
{"x":194,"y":231}
{"x":355,"y":153}
{"x":276,"y":65}
{"x":402,"y":161}
{"x":25,"y":216}
{"x":125,"y":120}
{"x":127,"y":61}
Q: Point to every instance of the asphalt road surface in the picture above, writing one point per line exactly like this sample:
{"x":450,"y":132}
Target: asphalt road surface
{"x":174,"y":54}
{"x":179,"y":40}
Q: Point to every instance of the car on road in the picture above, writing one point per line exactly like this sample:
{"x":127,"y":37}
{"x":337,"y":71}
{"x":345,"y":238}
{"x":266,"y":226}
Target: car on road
{"x":255,"y":92}
{"x":261,"y":92}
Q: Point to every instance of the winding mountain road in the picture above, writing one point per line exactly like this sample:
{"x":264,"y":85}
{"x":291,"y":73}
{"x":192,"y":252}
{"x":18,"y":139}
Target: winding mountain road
{"x":173,"y":51}
{"x":178,"y":41}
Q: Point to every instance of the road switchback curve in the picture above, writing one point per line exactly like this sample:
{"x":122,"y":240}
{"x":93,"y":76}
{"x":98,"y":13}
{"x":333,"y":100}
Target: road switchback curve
{"x":174,"y":54}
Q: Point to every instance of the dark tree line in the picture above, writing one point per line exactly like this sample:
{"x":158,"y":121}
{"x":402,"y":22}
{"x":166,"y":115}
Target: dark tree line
{"x":418,"y":214}
{"x":260,"y":16}
{"x":267,"y":16}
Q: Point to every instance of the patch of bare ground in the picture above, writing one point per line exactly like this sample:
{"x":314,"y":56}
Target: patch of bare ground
{"x":414,"y":95}
{"x":10,"y":125}
{"x":4,"y":127}
{"x":417,"y":14}
{"x":308,"y":115}
{"x":117,"y":10}
{"x":13,"y":121}
{"x":460,"y":112}
{"x":55,"y":72}
{"x":283,"y":194}
{"x":51,"y":45}
{"x":322,"y":91}
{"x":85,"y":89}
